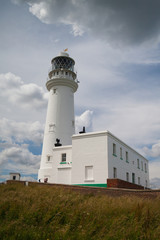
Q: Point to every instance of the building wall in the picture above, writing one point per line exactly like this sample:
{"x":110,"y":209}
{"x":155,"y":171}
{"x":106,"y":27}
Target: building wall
{"x":52,"y":166}
{"x":59,"y":121}
{"x":89,"y":159}
{"x":15,"y":176}
{"x":123,"y":166}
{"x":118,"y":183}
{"x":63,"y":169}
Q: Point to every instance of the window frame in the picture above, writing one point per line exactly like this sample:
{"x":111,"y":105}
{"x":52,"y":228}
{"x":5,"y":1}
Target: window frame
{"x":114,"y":172}
{"x":127,"y":157}
{"x":114,"y":150}
{"x":127,"y":176}
{"x":63,"y":157}
{"x":121,"y":153}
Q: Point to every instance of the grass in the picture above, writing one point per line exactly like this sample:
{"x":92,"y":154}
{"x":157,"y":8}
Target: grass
{"x":42,"y":212}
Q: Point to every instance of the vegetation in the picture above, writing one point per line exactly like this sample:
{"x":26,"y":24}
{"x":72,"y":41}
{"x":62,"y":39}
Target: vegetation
{"x":40,"y":212}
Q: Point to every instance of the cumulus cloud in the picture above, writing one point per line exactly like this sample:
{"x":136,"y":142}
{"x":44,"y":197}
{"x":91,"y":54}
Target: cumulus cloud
{"x":120,"y":22}
{"x":19,"y":159}
{"x":19,"y":155}
{"x":14,"y":131}
{"x":15,"y":91}
{"x":84,"y":120}
{"x":154,"y":151}
{"x":14,"y":152}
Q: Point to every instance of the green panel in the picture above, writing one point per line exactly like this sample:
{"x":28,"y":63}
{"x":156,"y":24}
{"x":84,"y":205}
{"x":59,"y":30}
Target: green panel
{"x":93,"y":185}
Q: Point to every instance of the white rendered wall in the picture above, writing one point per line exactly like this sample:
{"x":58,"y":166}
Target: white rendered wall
{"x":60,"y":119}
{"x":89,"y":150}
{"x":63,"y":170}
{"x":122,"y":166}
{"x":51,"y":169}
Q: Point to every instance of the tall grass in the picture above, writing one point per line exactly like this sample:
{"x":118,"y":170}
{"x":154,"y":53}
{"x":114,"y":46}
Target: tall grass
{"x":44,"y":212}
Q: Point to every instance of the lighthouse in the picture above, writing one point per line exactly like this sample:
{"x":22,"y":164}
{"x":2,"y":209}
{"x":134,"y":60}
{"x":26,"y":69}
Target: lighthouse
{"x":60,"y":120}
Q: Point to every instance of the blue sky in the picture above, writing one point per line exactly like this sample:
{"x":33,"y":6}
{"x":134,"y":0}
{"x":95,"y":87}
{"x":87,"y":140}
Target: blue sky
{"x":116,"y":47}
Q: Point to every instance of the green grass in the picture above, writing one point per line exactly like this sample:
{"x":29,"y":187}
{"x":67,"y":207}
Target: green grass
{"x":43,"y":212}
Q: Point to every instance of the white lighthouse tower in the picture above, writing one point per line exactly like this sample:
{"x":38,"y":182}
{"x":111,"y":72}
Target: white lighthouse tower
{"x":60,"y":123}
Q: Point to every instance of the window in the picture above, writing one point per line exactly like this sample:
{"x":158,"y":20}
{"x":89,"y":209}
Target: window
{"x":14,"y":177}
{"x":48,"y":158}
{"x":121,"y":154}
{"x":57,"y":73}
{"x":114,"y":150}
{"x":133,"y":177}
{"x":146,"y":184}
{"x":139,"y":181}
{"x":127,"y":157}
{"x":127,"y":176}
{"x":66,"y":73}
{"x":114,"y":172}
{"x":63,"y":157}
{"x":54,"y":90}
{"x":145,"y":167}
{"x":72,"y":123}
{"x":88,"y":172}
{"x":138,"y":165}
{"x":51,"y":127}
{"x":142,"y":166}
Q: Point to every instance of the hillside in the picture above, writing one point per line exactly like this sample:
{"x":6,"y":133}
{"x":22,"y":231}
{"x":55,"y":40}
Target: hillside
{"x":42,"y":212}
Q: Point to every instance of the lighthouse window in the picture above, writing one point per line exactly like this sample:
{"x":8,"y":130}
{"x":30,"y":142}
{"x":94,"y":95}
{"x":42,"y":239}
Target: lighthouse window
{"x":54,"y":91}
{"x":48,"y":158}
{"x":51,"y":127}
{"x":63,"y":157}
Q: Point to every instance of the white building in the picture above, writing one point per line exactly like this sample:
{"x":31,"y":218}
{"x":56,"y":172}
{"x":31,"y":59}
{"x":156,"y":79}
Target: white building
{"x":15,"y":176}
{"x":83,"y":159}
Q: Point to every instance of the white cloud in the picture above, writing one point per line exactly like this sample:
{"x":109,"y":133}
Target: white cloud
{"x":18,"y":155}
{"x":14,"y":131}
{"x":120,"y":22}
{"x":40,"y":11}
{"x":15,"y":154}
{"x":154,"y":169}
{"x":154,"y":151}
{"x":155,"y":183}
{"x":14,"y":91}
{"x":84,"y":120}
{"x":20,"y":159}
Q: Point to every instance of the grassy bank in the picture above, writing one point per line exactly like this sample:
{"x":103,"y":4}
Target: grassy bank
{"x":44,"y":212}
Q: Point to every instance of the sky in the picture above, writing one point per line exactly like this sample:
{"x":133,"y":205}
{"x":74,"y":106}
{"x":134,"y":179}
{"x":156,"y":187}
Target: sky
{"x":116,"y":47}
